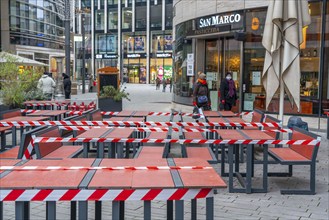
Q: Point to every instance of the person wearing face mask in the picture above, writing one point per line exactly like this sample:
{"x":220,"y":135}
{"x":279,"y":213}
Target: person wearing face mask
{"x":227,"y":93}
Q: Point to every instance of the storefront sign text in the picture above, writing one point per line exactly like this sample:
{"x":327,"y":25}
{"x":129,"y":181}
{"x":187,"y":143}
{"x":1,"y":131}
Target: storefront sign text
{"x":164,"y":55}
{"x":219,"y":20}
{"x":106,"y":56}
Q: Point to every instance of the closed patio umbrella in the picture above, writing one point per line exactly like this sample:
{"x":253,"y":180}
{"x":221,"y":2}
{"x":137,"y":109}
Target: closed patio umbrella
{"x":283,"y":34}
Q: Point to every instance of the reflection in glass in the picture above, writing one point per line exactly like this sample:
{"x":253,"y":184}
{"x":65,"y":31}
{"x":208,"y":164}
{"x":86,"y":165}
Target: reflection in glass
{"x":126,"y":18}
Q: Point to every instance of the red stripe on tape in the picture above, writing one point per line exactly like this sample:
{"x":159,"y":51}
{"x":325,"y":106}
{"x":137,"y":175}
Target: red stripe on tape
{"x":41,"y":195}
{"x":203,"y":193}
{"x":97,"y":195}
{"x":152,"y":194}
{"x":69,"y":195}
{"x":13,"y":195}
{"x":124,"y":195}
{"x":178,"y":194}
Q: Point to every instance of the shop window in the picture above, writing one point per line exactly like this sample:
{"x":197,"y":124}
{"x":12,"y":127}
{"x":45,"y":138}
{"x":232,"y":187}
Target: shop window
{"x":140,"y":17}
{"x":156,"y":16}
{"x":99,"y":20}
{"x":113,"y":19}
{"x":126,"y":18}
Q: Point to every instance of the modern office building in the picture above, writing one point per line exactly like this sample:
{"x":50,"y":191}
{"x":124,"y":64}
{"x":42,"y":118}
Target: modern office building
{"x":236,"y":46}
{"x":33,"y":29}
{"x":133,"y":35}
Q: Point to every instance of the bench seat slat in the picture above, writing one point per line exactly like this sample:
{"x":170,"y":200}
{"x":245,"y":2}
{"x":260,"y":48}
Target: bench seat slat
{"x":287,"y":155}
{"x":148,"y":152}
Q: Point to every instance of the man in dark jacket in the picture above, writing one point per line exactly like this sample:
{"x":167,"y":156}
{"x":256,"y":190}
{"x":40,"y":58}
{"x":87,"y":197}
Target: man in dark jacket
{"x":227,"y":93}
{"x":201,"y":93}
{"x":67,"y":85}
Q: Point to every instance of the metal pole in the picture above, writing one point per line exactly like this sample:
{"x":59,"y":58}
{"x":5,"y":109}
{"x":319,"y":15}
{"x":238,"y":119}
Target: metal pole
{"x":321,"y":71}
{"x":83,"y":71}
{"x":67,"y":38}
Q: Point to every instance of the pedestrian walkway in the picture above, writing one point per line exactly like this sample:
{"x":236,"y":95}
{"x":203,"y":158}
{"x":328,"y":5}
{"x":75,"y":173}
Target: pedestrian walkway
{"x":271,"y":205}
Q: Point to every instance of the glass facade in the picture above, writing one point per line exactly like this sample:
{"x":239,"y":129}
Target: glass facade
{"x":243,"y":54}
{"x":137,"y":62}
{"x":36,"y":23}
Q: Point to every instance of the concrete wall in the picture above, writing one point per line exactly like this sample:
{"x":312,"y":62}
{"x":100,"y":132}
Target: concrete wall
{"x":190,"y":9}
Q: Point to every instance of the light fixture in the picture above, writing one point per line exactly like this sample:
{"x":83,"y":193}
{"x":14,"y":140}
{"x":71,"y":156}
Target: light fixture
{"x":303,"y":44}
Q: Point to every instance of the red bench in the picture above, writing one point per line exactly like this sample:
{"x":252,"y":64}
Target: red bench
{"x":54,"y":150}
{"x":298,"y":155}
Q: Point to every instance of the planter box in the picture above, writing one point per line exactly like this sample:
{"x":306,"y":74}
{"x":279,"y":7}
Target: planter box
{"x":109,"y":105}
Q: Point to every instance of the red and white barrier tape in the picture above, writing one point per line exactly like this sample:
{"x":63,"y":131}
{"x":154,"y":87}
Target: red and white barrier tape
{"x":47,"y":168}
{"x":136,"y":123}
{"x":326,"y":113}
{"x":152,"y":113}
{"x":143,"y":129}
{"x":311,"y":142}
{"x":29,"y":110}
{"x":104,"y":194}
{"x":46,"y":104}
{"x":28,"y":154}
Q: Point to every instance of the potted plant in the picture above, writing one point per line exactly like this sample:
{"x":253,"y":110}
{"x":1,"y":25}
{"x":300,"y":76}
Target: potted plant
{"x":16,"y":84}
{"x":111,"y":98}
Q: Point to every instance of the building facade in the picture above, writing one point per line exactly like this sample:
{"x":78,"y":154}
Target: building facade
{"x":235,"y":45}
{"x":133,"y":35}
{"x":33,"y":29}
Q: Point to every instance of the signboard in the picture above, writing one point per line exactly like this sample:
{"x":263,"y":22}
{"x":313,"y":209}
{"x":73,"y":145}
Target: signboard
{"x":106,"y":56}
{"x":219,"y":20}
{"x":135,"y":55}
{"x":163,"y":55}
{"x":190,"y":57}
{"x":190,"y":69}
{"x":256,"y":78}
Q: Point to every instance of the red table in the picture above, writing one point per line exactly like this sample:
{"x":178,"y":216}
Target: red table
{"x":53,"y":114}
{"x":237,"y":134}
{"x":43,"y":104}
{"x":117,"y":148}
{"x":219,"y":114}
{"x":21,"y":118}
{"x":3,"y":137}
{"x":136,"y":182}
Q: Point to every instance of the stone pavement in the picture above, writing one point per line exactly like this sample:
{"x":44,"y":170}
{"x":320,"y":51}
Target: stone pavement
{"x":271,"y":205}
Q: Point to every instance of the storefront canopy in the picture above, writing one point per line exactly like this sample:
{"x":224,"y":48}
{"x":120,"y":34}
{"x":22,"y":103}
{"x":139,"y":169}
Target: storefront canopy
{"x":8,"y":57}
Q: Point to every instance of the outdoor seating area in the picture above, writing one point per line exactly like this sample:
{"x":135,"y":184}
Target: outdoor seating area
{"x":127,"y":157}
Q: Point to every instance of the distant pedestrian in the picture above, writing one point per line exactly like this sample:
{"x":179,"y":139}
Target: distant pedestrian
{"x":164,"y":84}
{"x":170,"y":84}
{"x":67,"y":86}
{"x":47,"y":85}
{"x":228,"y":94}
{"x":157,"y":83}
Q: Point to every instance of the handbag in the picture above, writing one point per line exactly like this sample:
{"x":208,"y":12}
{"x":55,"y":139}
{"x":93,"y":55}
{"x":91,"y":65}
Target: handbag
{"x":202,"y":99}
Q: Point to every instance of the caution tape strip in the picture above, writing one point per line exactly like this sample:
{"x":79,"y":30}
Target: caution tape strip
{"x":142,"y":129}
{"x":48,"y":168}
{"x":153,"y":113}
{"x":104,"y":194}
{"x":137,"y":123}
{"x":311,"y":142}
{"x":326,"y":113}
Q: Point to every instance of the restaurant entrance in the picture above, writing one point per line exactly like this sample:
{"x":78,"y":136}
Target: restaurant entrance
{"x":222,"y":55}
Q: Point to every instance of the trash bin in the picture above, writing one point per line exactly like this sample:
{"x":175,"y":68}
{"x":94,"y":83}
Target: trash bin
{"x":295,"y":121}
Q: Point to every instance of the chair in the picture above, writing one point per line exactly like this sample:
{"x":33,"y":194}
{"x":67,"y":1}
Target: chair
{"x":54,"y":150}
{"x":10,"y":113}
{"x":258,"y":117}
{"x":4,"y":132}
{"x":95,"y":115}
{"x":298,"y":155}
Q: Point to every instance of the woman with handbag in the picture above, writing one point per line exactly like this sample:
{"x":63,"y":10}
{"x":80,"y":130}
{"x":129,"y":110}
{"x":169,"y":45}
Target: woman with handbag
{"x":201,"y":93}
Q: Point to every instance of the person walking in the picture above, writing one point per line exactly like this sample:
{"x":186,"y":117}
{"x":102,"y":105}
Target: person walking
{"x":67,"y":86}
{"x":228,"y":94}
{"x":157,"y":83}
{"x":164,"y":84}
{"x":201,"y":96}
{"x":47,"y":85}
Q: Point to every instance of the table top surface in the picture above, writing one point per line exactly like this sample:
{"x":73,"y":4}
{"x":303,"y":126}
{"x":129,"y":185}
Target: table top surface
{"x":219,"y":114}
{"x":127,"y":178}
{"x":243,"y":134}
{"x":94,"y":132}
{"x":157,"y":135}
{"x":225,"y":120}
{"x":25,"y":118}
{"x":120,"y":133}
{"x":47,"y":102}
{"x":45,"y":179}
{"x":48,"y":113}
{"x":4,"y":129}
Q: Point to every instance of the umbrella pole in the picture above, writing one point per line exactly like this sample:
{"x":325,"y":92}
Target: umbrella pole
{"x":281,"y":103}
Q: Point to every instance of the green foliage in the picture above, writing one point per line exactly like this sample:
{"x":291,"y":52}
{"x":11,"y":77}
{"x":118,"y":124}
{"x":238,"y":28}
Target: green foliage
{"x":15,"y":85}
{"x":115,"y":94}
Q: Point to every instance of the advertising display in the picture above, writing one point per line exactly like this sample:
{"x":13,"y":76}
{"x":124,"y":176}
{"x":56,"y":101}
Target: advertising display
{"x":111,"y":44}
{"x":168,"y":43}
{"x":102,"y":43}
{"x":130,"y":45}
{"x":140,"y":44}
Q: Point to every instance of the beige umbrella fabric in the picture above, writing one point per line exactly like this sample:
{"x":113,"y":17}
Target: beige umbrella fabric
{"x":282,"y":38}
{"x":8,"y":57}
